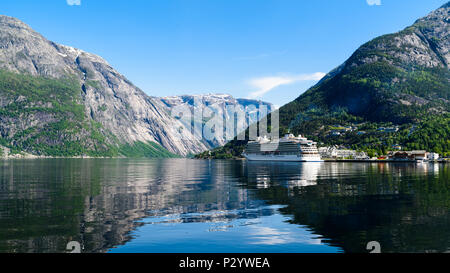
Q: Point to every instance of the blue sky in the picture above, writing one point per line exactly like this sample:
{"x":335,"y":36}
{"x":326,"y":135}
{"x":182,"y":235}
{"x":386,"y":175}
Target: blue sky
{"x":272,"y":50}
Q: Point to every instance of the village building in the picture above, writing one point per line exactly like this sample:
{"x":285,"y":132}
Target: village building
{"x":336,"y":153}
{"x":409,"y":155}
{"x":433,"y":156}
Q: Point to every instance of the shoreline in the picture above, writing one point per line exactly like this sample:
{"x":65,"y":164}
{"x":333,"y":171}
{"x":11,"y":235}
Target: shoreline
{"x":30,"y":157}
{"x":12,"y":157}
{"x":383,"y":161}
{"x":6,"y":155}
{"x":350,"y":161}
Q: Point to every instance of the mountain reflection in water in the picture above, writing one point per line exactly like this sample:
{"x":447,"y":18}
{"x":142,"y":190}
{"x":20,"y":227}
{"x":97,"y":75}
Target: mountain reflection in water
{"x":182,"y":205}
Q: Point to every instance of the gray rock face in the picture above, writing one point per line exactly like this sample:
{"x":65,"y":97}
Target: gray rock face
{"x":108,"y":97}
{"x":436,"y":30}
{"x":426,"y":43}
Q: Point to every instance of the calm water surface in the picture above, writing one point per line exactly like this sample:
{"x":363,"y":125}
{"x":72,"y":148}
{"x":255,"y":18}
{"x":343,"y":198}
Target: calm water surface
{"x":181,"y":205}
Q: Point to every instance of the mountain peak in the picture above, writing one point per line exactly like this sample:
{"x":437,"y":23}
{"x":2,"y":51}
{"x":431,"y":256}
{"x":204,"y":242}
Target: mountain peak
{"x":12,"y":22}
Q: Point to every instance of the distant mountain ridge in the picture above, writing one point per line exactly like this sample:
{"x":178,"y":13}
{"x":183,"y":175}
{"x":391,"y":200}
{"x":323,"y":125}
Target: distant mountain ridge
{"x":218,"y":102}
{"x":61,"y":101}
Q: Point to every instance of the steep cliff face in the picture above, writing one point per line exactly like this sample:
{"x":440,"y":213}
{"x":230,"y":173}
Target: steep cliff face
{"x":60,"y":100}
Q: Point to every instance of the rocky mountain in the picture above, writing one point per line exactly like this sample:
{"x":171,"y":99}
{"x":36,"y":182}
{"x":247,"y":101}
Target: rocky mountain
{"x":387,"y":75}
{"x":61,"y":101}
{"x":400,"y":80}
{"x":57,"y":100}
{"x":219,"y":104}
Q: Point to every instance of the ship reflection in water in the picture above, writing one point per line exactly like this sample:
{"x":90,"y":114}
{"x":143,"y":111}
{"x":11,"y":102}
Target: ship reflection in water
{"x":181,"y":205}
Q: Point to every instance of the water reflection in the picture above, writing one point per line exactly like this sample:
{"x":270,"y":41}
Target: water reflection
{"x":403,"y":206}
{"x":179,"y":205}
{"x":266,"y":174}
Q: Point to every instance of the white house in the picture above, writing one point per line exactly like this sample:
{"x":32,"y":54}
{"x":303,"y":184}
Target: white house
{"x":433,"y":156}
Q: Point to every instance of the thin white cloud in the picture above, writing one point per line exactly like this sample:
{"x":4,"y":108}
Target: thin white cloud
{"x":374,"y":2}
{"x":266,"y":84}
{"x":73,"y":2}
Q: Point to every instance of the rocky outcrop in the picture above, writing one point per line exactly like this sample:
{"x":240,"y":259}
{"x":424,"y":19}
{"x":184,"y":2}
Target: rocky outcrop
{"x":424,"y":44}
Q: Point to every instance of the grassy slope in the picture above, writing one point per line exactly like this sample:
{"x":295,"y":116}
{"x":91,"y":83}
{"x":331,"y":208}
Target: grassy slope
{"x":150,"y":149}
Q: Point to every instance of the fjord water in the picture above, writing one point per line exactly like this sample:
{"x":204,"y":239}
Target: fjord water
{"x":182,"y":205}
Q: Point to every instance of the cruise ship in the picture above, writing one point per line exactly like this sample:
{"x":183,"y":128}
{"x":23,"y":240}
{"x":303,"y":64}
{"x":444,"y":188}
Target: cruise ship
{"x":288,"y":148}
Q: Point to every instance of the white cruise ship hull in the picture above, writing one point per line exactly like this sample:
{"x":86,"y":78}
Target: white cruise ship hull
{"x":286,"y":158}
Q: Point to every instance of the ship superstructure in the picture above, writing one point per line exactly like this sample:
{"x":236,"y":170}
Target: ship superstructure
{"x":288,"y":148}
